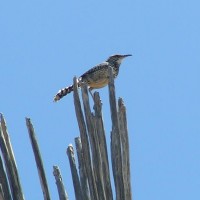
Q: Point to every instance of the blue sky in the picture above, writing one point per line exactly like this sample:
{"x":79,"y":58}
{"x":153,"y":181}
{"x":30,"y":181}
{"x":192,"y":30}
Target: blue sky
{"x":44,"y":44}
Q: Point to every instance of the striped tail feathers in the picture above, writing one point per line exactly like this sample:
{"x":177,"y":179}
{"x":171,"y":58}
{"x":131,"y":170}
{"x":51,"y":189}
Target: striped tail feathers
{"x":63,"y":92}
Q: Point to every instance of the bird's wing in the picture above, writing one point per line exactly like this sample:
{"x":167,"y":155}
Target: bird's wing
{"x":96,"y":68}
{"x":95,"y":74}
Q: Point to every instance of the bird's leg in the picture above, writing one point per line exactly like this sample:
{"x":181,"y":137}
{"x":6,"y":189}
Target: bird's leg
{"x":90,"y":91}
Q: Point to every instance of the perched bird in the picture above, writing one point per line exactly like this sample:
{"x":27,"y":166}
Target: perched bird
{"x":96,"y":77}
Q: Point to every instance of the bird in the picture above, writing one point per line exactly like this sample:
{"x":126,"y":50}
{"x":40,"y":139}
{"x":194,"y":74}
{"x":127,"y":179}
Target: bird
{"x":96,"y":77}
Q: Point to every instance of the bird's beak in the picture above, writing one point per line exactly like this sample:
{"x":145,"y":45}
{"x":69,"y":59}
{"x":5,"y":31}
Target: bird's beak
{"x":124,"y":56}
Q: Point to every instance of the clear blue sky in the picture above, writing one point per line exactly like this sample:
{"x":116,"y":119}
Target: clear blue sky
{"x":44,"y":44}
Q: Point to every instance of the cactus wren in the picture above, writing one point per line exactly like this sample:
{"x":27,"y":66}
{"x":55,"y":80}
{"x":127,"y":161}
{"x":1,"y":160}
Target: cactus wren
{"x":96,"y":77}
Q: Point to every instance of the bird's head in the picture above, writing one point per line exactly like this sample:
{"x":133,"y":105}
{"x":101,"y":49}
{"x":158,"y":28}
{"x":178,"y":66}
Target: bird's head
{"x":117,"y":58}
